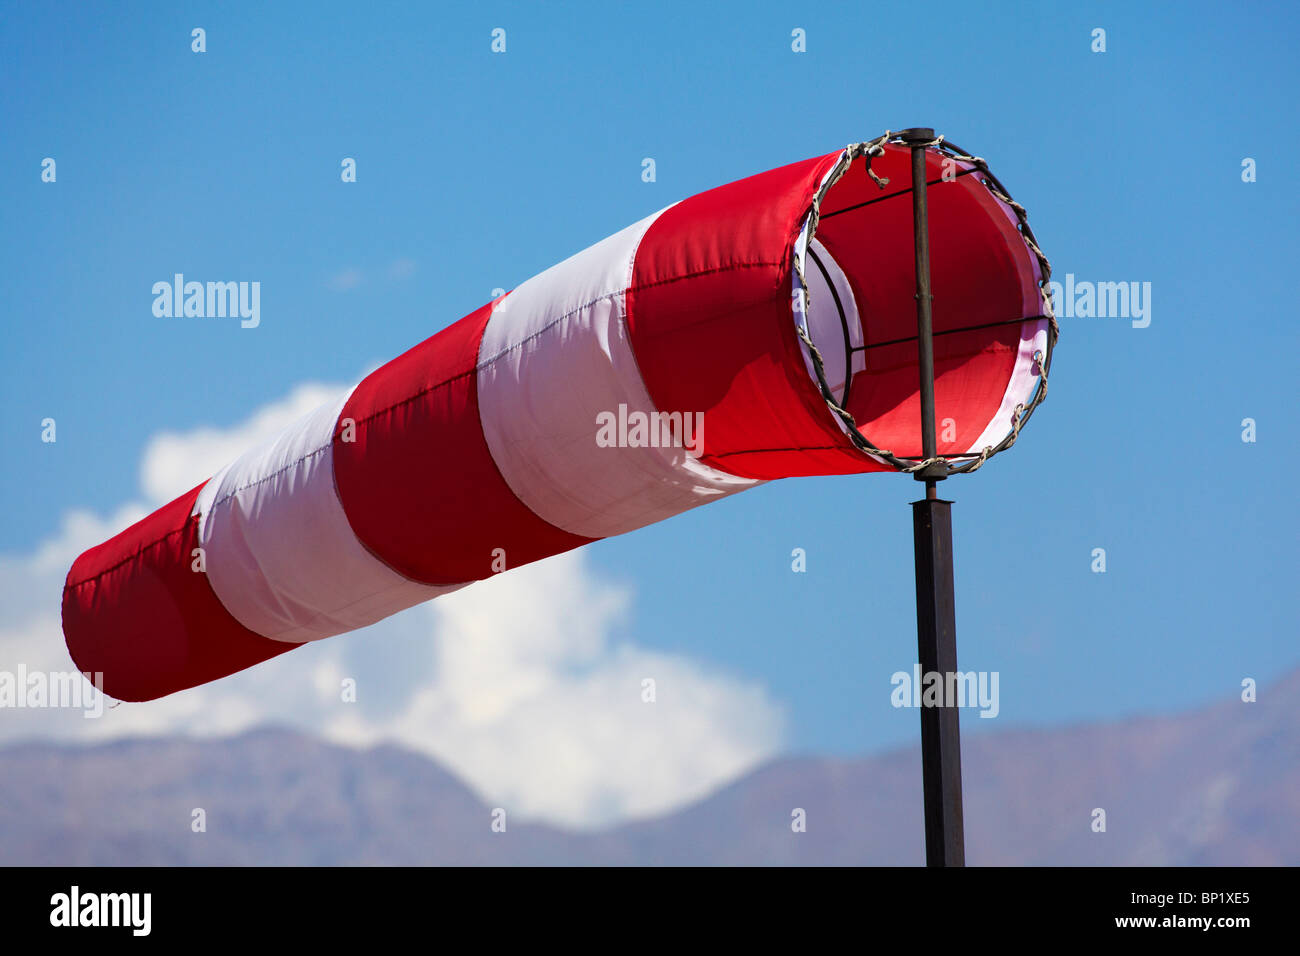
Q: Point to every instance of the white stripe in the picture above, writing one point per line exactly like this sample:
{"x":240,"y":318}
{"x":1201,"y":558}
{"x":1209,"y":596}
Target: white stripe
{"x":279,"y":551}
{"x":824,"y":326}
{"x":1024,"y":376}
{"x":555,"y":355}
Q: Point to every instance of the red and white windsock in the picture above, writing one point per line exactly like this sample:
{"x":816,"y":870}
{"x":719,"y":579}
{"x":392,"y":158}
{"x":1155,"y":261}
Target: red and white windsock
{"x":660,"y":369}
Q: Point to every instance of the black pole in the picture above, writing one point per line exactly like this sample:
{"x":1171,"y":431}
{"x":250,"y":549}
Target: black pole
{"x":936,"y":617}
{"x":916,"y":138}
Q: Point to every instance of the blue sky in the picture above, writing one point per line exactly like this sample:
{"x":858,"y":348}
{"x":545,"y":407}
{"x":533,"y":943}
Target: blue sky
{"x":476,"y":171}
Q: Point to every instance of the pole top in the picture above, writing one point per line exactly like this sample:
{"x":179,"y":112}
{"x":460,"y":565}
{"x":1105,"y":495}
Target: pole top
{"x":917,"y":135}
{"x":937,"y":471}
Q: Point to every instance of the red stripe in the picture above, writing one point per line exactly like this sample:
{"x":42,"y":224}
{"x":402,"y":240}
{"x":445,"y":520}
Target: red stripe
{"x":418,"y":484}
{"x":713,"y":327}
{"x":709,"y":311}
{"x":135,"y":611}
{"x":981,"y":272}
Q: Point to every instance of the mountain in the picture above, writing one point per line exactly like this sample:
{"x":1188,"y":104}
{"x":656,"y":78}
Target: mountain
{"x":1218,"y":786}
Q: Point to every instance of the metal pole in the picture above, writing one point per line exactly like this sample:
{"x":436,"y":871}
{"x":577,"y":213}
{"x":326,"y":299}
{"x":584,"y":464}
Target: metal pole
{"x":936,"y":618}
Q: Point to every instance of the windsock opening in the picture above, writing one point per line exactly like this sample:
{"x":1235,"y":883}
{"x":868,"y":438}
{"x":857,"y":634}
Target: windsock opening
{"x":990,"y":326}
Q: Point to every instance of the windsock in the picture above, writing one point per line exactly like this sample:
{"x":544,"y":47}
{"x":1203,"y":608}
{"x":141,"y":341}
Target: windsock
{"x":764,"y":329}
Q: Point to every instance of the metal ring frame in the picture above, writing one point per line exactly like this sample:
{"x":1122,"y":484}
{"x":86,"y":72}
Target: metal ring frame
{"x":970,"y":461}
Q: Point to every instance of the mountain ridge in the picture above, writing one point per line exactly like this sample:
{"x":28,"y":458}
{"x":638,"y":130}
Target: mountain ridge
{"x":1218,"y":785}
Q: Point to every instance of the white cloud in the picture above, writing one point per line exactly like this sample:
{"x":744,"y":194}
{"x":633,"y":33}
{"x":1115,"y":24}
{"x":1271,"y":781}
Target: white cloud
{"x":526,"y":685}
{"x":175,"y":463}
{"x":401,"y":269}
{"x":346,"y":280}
{"x":536,"y":702}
